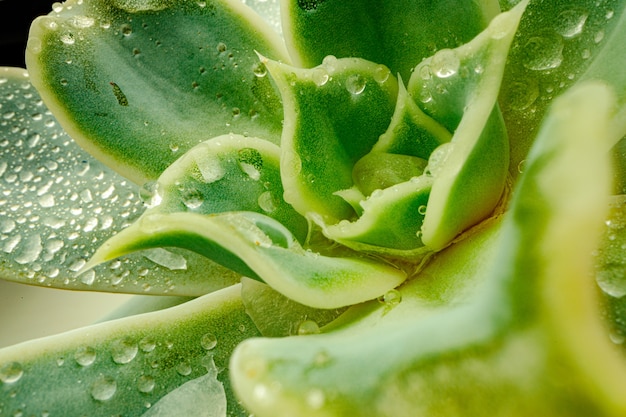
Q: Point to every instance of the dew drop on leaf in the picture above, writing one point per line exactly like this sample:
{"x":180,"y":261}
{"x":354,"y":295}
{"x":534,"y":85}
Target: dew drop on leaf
{"x":543,"y":52}
{"x":183,"y":368}
{"x":85,"y":355}
{"x":208,"y":341}
{"x":571,"y":22}
{"x":147,"y":344}
{"x":163,"y":257}
{"x":145,"y":384}
{"x":103,"y":388}
{"x":355,"y":84}
{"x":445,"y":63}
{"x":266,"y":202}
{"x":11,"y":372}
{"x":308,"y":327}
{"x":123,"y":351}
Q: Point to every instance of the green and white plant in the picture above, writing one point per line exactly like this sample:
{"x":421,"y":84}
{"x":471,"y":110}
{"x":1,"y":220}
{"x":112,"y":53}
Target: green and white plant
{"x":326,"y":208}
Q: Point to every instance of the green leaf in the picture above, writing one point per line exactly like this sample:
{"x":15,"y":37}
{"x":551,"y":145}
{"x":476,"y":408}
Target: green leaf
{"x":57,"y":204}
{"x":227,"y":173}
{"x":334,"y":115}
{"x":397,"y":33}
{"x":459,"y":88}
{"x":276,"y":315}
{"x":259,"y":247}
{"x":134,"y":82}
{"x":557,"y":45}
{"x":502,"y":346}
{"x":127,"y":366}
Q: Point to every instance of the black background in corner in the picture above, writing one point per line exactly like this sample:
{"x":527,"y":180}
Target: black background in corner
{"x":15,"y":18}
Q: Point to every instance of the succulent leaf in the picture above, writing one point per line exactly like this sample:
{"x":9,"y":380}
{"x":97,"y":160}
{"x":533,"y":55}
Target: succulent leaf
{"x":134,"y":82}
{"x":334,"y":114}
{"x":398,"y":33}
{"x":227,"y":173}
{"x":459,"y":89}
{"x":58,"y":204}
{"x":126,"y":366}
{"x":502,"y":348}
{"x":259,"y":247}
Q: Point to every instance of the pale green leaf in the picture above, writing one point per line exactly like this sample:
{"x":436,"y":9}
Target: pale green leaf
{"x":259,"y":247}
{"x":396,"y":33}
{"x":138,"y":83}
{"x":527,"y":323}
{"x":276,"y":315}
{"x":557,"y":45}
{"x":124,"y":367}
{"x":334,"y":114}
{"x":57,"y":204}
{"x":459,"y":89}
{"x":227,"y":173}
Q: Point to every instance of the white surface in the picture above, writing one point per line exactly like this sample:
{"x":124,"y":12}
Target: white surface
{"x":28,"y":312}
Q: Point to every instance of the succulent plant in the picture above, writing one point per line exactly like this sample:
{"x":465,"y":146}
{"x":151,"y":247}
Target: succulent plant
{"x":325,"y":208}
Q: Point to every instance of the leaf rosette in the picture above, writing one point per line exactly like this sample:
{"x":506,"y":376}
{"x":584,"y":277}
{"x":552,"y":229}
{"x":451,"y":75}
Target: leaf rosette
{"x":363,"y":168}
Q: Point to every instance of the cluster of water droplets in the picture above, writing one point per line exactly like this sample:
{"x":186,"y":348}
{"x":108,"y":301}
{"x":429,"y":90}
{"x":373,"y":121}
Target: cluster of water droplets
{"x":147,"y":365}
{"x":57,"y":205}
{"x":552,"y":53}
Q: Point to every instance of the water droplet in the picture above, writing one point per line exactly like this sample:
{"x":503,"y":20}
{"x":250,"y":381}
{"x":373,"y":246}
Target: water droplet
{"x":123,"y":351}
{"x":543,"y":52}
{"x":183,"y":368}
{"x":192,"y":198}
{"x":250,"y":162}
{"x":259,"y":69}
{"x":319,"y":76}
{"x":355,"y":84}
{"x":85,"y":356}
{"x":103,"y":388}
{"x":612,"y":279}
{"x":221,"y":47}
{"x":82,"y":22}
{"x":422,"y":209}
{"x":145,"y":384}
{"x":599,"y":36}
{"x":445,"y":63}
{"x":126,"y":30}
{"x":210,"y":168}
{"x":208,"y":341}
{"x":147,"y":344}
{"x":30,"y":250}
{"x":520,"y":96}
{"x":571,"y":22}
{"x":381,"y":74}
{"x":88,"y":277}
{"x":437,"y":159}
{"x":391,"y":298}
{"x":11,"y":372}
{"x":266,"y":202}
{"x":68,"y":39}
{"x":170,"y":260}
{"x":149,"y":194}
{"x":308,"y":327}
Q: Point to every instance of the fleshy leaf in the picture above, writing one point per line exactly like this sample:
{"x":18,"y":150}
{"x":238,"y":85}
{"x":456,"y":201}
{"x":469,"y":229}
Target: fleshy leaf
{"x":397,"y":33}
{"x":123,"y":367}
{"x":259,"y":247}
{"x":506,"y":346}
{"x":557,"y":45}
{"x":391,"y":221}
{"x":276,"y":315}
{"x":459,"y":88}
{"x":57,"y":204}
{"x":334,"y":114}
{"x":227,"y":173}
{"x":137,"y":83}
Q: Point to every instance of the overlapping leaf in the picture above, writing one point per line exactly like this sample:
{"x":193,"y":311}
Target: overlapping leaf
{"x":137,"y":83}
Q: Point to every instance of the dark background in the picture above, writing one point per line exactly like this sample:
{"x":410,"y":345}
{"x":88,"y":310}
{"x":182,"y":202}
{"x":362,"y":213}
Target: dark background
{"x":15,"y":18}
